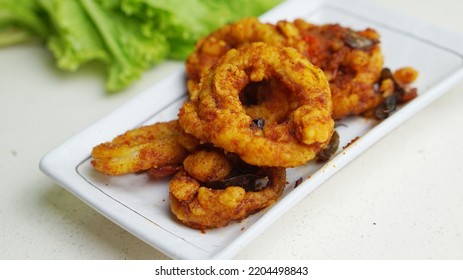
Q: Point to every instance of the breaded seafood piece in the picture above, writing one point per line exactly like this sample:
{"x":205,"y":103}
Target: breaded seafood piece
{"x":352,"y":62}
{"x":140,"y":149}
{"x":215,"y":114}
{"x":235,"y":35}
{"x":221,"y":196}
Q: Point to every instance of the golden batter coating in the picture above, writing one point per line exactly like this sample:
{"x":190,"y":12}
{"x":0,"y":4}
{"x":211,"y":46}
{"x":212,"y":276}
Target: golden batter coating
{"x":201,"y":207}
{"x":216,"y":109}
{"x":241,"y":33}
{"x":208,"y":165}
{"x":140,"y":149}
{"x":352,"y":62}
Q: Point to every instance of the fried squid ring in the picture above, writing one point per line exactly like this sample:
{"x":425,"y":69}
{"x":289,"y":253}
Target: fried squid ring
{"x":159,"y":145}
{"x":352,"y":62}
{"x":199,"y":206}
{"x":216,"y":115}
{"x":245,"y":31}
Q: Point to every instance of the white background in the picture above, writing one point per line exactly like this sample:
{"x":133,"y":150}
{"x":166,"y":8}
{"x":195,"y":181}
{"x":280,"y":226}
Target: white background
{"x":401,"y":199}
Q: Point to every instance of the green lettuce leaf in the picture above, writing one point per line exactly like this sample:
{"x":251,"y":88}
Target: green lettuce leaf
{"x":84,"y":31}
{"x":74,"y":40}
{"x":21,"y":21}
{"x":184,"y":22}
{"x":127,"y":36}
{"x":131,"y":52}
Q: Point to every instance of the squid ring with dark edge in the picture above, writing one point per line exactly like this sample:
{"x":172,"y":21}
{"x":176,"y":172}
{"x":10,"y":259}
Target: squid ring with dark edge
{"x":215,"y":114}
{"x":198,"y":205}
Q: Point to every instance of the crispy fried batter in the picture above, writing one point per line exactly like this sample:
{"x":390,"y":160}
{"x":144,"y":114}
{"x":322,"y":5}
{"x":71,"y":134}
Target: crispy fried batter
{"x":202,"y":207}
{"x":352,"y":62}
{"x":405,"y":75}
{"x":216,"y":115}
{"x":241,"y":33}
{"x":208,"y":165}
{"x":151,"y":146}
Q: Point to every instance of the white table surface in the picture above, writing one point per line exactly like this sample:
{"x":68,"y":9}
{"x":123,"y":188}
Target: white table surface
{"x":401,"y":199}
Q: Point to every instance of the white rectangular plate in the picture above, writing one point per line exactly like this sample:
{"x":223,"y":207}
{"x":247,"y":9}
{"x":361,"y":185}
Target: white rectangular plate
{"x":141,"y":205}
